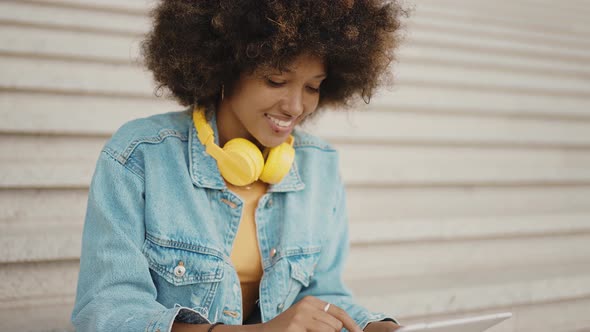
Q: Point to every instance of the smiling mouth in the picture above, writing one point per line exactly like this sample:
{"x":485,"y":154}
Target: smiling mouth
{"x":280,"y":123}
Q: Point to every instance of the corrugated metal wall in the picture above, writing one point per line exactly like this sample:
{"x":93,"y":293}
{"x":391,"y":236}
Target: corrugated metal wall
{"x":469,"y":183}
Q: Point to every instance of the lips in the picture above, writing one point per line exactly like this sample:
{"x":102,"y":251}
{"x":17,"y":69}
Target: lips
{"x":280,"y":122}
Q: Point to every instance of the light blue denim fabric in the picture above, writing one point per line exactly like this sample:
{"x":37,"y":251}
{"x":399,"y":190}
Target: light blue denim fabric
{"x":157,"y":199}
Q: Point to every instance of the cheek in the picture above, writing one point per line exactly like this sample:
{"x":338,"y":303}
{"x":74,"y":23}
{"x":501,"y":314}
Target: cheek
{"x":253,"y":100}
{"x":263,"y":97}
{"x":311,"y":102}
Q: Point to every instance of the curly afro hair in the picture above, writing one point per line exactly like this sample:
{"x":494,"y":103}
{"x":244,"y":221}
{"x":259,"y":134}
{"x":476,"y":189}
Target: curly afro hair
{"x":197,"y":46}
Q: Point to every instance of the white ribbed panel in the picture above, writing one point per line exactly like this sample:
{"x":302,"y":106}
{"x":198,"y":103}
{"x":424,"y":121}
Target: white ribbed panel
{"x":468,"y":182}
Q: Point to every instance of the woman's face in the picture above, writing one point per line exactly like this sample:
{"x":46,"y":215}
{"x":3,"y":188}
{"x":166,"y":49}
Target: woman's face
{"x":264,"y":108}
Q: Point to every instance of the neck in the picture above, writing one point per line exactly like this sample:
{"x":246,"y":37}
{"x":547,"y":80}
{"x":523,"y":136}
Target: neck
{"x":229,"y":126}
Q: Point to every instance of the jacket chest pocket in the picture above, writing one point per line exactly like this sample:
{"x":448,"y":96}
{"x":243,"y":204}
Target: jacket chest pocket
{"x":184,"y":274}
{"x":301,"y":268}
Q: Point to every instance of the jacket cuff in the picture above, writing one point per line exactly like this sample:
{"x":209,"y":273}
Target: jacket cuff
{"x":375,"y":318}
{"x":163,"y":321}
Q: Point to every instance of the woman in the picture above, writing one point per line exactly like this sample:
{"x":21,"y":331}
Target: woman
{"x":181,"y":235}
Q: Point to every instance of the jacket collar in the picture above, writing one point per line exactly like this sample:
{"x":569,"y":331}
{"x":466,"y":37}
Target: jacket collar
{"x":205,"y":173}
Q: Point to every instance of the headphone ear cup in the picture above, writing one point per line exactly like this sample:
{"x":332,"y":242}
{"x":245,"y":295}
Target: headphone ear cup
{"x":278,"y":163}
{"x":246,"y":162}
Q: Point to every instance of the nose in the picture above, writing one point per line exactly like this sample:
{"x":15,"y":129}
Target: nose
{"x":293,"y":103}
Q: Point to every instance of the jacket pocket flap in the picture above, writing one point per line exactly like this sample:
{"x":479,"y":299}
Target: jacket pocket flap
{"x":303,"y":266}
{"x":181,"y":266}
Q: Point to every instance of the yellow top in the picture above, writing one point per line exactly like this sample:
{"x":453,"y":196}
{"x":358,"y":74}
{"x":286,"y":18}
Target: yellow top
{"x":245,"y":253}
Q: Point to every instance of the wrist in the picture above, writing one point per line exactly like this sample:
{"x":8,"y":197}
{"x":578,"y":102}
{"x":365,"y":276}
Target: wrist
{"x":239,"y":328}
{"x":213,"y":326}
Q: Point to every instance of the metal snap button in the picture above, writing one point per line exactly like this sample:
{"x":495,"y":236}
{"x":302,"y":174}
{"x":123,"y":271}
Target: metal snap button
{"x":179,"y":270}
{"x":273,"y":252}
{"x":280,"y":306}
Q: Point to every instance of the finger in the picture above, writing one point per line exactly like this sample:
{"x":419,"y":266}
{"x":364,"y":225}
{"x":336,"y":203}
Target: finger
{"x":342,"y":316}
{"x":335,"y":311}
{"x":331,"y":321}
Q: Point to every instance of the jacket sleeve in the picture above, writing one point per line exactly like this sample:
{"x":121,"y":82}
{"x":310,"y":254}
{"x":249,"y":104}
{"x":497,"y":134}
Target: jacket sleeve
{"x":115,"y":290}
{"x":327,"y":283}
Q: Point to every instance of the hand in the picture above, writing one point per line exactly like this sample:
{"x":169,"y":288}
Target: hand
{"x":308,"y":315}
{"x":386,"y":326}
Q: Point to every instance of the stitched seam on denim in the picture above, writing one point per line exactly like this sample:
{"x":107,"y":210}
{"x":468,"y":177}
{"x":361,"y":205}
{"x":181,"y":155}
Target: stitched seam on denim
{"x":187,"y":279}
{"x":304,"y":145}
{"x":154,"y":321}
{"x":134,"y":165}
{"x":161,"y":319}
{"x":294,"y":252}
{"x":162,"y":135}
{"x":112,"y":155}
{"x":185,"y":246}
{"x":210,"y":296}
{"x":295,"y":186}
{"x":170,"y":277}
{"x":289,"y":293}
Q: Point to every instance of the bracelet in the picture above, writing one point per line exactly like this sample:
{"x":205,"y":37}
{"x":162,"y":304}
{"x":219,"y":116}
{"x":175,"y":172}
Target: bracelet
{"x":213,"y":326}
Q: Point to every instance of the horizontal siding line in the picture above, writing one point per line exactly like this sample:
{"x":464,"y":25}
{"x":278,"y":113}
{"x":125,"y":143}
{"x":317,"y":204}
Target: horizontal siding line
{"x":439,"y":85}
{"x":508,"y":145}
{"x":71,"y":28}
{"x":410,"y":60}
{"x":495,"y":66}
{"x":55,"y":187}
{"x":512,"y":90}
{"x":484,"y":113}
{"x":28,"y":302}
{"x":379,"y":185}
{"x":70,"y":58}
{"x":468,"y":185}
{"x":42,"y":262}
{"x":61,"y":92}
{"x":106,"y":134}
{"x":517,"y":9}
{"x":379,"y":107}
{"x":424,"y":42}
{"x":335,"y":139}
{"x":532,"y":39}
{"x":569,"y":5}
{"x":84,"y":7}
{"x":515,"y":22}
{"x":459,"y":239}
{"x":54,"y":134}
{"x":118,"y":34}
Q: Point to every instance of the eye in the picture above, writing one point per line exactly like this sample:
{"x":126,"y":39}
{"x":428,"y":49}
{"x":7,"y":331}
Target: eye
{"x":274,"y":83}
{"x":314,"y":90}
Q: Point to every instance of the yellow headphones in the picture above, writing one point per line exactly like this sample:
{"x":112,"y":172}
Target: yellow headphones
{"x":240,"y":161}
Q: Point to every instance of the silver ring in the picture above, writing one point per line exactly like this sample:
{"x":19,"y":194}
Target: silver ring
{"x":327,"y":307}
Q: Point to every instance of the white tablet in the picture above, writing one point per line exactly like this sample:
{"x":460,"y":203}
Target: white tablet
{"x":470,"y":324}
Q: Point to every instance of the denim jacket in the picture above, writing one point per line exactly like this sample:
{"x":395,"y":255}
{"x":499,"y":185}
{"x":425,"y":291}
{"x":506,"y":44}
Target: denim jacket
{"x":160,"y":224}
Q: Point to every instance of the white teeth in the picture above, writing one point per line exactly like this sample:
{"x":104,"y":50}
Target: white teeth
{"x":280,"y":123}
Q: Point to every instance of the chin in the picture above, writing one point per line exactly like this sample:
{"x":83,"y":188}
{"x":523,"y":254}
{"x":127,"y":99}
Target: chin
{"x":271,"y":142}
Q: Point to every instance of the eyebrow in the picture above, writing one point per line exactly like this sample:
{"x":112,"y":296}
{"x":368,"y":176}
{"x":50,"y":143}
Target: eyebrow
{"x":322,"y":75}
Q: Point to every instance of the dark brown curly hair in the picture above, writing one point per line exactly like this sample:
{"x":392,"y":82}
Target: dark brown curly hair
{"x":197,"y":46}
